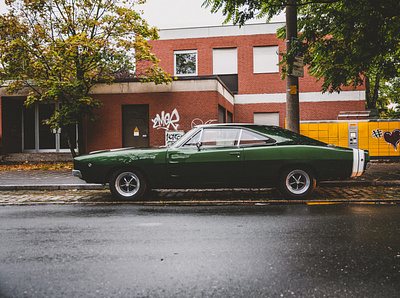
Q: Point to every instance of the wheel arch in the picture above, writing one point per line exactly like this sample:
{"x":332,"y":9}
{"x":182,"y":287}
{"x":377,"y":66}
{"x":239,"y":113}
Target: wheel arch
{"x":299,"y":165}
{"x":127,"y":168}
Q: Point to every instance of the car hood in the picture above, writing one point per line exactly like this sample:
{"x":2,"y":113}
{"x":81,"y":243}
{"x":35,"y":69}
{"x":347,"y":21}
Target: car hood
{"x":121,"y":152}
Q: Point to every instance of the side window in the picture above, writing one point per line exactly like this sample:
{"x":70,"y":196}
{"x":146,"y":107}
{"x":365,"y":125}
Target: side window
{"x":220,"y":137}
{"x":249,"y":138}
{"x":193,"y":140}
{"x":185,"y":63}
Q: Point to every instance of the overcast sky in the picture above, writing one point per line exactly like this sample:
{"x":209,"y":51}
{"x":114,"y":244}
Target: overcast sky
{"x":176,"y":14}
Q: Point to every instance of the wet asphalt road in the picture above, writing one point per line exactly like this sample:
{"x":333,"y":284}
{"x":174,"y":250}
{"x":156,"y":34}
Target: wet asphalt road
{"x":219,"y":251}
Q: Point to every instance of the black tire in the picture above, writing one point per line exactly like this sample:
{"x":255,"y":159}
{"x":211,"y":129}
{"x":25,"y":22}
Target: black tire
{"x":128,"y":185}
{"x":297,"y":183}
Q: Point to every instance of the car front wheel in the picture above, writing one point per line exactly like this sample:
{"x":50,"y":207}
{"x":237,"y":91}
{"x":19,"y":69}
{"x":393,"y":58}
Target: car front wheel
{"x":128,"y":184}
{"x":297,"y":183}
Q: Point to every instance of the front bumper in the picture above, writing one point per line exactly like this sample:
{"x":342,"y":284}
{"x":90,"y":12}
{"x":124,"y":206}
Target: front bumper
{"x":77,"y":173}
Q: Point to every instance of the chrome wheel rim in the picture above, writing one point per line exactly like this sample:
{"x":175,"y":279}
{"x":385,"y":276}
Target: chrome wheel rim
{"x":298,"y":182}
{"x":127,"y":184}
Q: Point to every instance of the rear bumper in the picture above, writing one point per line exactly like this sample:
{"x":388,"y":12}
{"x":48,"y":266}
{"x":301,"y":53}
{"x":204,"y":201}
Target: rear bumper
{"x":360,"y":162}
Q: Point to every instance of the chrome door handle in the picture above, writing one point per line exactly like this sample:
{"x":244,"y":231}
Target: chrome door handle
{"x":237,"y":154}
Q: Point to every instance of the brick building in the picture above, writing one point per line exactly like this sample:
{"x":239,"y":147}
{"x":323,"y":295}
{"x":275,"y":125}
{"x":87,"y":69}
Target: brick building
{"x":246,"y":60}
{"x":223,"y":74}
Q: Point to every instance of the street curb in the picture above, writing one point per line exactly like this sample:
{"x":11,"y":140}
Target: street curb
{"x":345,"y":183}
{"x":203,"y":203}
{"x":53,"y":187}
{"x":360,"y":183}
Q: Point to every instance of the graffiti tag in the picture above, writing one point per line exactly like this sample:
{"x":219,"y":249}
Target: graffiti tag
{"x":198,"y":121}
{"x":165,"y":120}
{"x":392,"y":138}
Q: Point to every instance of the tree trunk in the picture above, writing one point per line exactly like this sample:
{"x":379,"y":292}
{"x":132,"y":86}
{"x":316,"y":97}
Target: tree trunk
{"x":70,"y":139}
{"x":292,"y":82}
{"x":81,"y":143}
{"x":367,"y":93}
{"x":376,"y":92}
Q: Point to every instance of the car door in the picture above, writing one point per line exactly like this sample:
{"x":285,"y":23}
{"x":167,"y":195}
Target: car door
{"x":262,"y":158}
{"x":211,"y":158}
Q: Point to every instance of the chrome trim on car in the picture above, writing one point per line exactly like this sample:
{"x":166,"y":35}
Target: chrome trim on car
{"x":361,"y":163}
{"x":77,"y":173}
{"x":358,"y":163}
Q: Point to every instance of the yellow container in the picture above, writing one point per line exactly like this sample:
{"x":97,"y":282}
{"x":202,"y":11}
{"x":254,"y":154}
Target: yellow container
{"x":380,"y":137}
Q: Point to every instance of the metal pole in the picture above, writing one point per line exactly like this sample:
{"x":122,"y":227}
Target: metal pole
{"x":292,"y":82}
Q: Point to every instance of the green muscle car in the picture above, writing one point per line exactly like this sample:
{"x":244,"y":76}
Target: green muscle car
{"x":224,"y":155}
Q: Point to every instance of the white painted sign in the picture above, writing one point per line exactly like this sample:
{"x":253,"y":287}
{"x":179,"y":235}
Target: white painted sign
{"x":172,"y":136}
{"x":298,"y":67}
{"x":136,"y":132}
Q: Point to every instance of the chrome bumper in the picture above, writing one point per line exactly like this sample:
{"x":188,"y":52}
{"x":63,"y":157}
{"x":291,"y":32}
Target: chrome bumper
{"x":77,"y":173}
{"x":358,"y":163}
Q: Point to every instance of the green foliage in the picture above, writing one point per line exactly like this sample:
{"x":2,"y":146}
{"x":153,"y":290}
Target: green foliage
{"x":390,"y":91}
{"x":344,"y":42}
{"x":348,"y":40}
{"x":61,"y":48}
{"x":390,"y":95}
{"x":240,"y":11}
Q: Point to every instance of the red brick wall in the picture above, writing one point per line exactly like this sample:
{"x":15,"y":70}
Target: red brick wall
{"x":106,"y":132}
{"x":249,"y":83}
{"x":244,"y":113}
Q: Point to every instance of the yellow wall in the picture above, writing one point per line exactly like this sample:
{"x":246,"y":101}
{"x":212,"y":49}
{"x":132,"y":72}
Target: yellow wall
{"x":381,"y":138}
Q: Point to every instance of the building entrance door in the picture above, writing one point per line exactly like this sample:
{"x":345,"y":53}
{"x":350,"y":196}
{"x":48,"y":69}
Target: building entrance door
{"x":37,"y":136}
{"x":135,"y":126}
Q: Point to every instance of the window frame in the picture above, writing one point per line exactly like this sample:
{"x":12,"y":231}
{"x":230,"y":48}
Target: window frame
{"x":217,"y":65}
{"x":264,"y":69}
{"x":185,"y":52}
{"x":267,"y":142}
{"x":237,"y":142}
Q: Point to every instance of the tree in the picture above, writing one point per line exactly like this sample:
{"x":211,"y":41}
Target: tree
{"x":344,"y":42}
{"x":390,"y":95}
{"x":349,"y":42}
{"x":60,"y":49}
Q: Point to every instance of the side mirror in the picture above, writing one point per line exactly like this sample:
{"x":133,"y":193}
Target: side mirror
{"x":198,"y":145}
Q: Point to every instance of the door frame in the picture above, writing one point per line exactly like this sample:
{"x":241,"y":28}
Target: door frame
{"x":37,"y":125}
{"x":146,"y":135}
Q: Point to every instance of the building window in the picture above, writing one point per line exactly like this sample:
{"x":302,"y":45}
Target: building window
{"x":229,"y":117}
{"x":266,"y":59}
{"x":221,"y":114}
{"x":267,"y":118}
{"x":225,"y":61}
{"x":185,"y":63}
{"x":225,"y":65}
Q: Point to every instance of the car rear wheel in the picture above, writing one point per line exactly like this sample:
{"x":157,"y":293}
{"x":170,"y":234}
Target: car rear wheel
{"x":297,"y":183}
{"x":128,"y":185}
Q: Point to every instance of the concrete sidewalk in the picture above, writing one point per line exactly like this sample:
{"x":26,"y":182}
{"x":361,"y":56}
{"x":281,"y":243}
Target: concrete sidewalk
{"x":379,"y":174}
{"x":43,"y":180}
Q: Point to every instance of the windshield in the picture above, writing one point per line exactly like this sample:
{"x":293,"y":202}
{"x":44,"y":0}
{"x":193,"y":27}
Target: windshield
{"x":183,"y":139}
